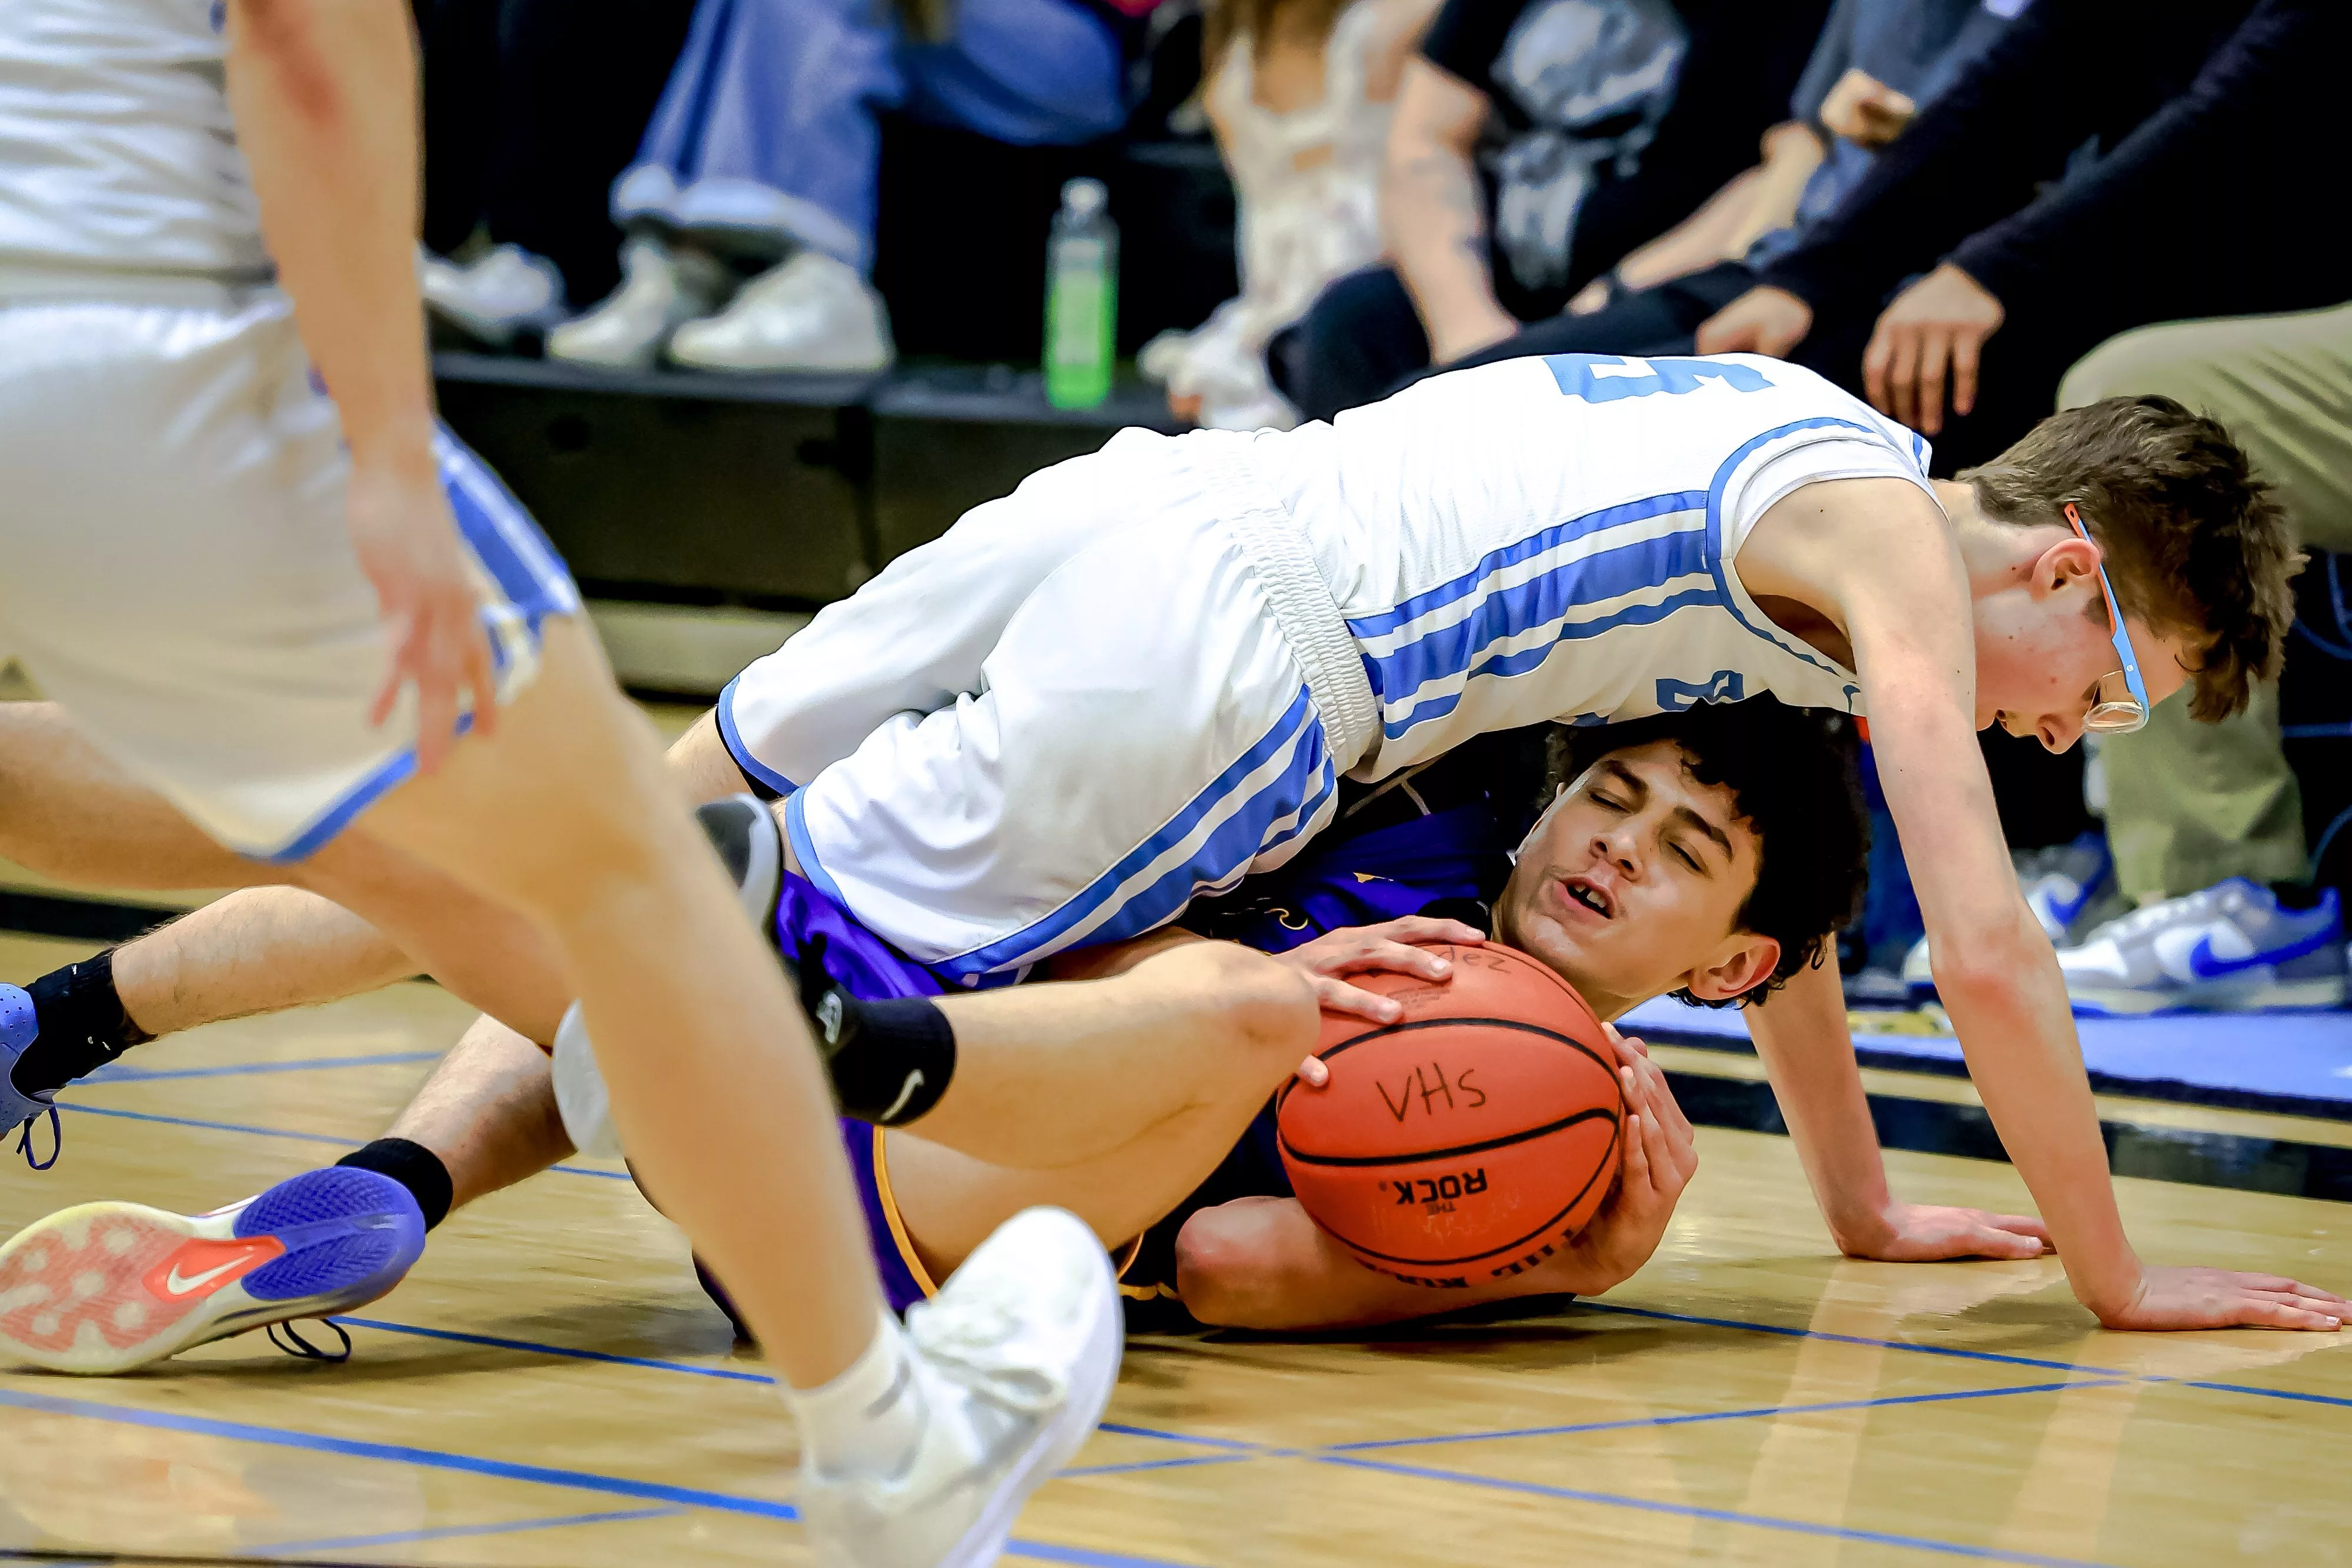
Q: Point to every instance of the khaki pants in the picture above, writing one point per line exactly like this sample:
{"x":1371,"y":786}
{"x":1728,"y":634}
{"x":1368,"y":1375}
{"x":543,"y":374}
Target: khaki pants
{"x":2189,"y":804}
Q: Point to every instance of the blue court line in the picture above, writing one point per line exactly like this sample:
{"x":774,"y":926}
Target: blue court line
{"x":119,"y":1073}
{"x":1946,"y":1350}
{"x":208,"y":1126}
{"x":451,"y":1532}
{"x":2267,"y":1392}
{"x":502,"y":1470}
{"x":1125,"y":1431}
{"x":275,"y":1133}
{"x":2089,"y":1377}
{"x":1082,"y":1470}
{"x":1719,"y":1515}
{"x":1698,"y":1417}
{"x":397,"y":1453}
{"x":496,"y":1343}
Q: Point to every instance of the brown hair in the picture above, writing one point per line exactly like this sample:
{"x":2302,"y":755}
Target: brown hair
{"x":2195,"y":545}
{"x":1255,"y":20}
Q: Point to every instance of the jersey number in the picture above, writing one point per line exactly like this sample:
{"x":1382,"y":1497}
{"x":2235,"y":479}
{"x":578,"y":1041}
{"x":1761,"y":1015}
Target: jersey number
{"x":1622,"y":377}
{"x":1723,"y":686}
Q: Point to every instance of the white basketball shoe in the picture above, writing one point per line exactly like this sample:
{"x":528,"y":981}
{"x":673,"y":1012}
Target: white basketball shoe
{"x":1014,"y":1360}
{"x":811,"y":313}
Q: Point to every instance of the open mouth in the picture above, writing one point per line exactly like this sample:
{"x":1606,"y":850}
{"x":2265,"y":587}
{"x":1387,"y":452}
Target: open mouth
{"x":1578,"y":890}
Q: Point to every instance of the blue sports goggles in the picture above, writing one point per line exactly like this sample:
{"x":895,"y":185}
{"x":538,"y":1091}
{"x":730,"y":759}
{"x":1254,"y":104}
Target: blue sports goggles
{"x":2119,"y":703}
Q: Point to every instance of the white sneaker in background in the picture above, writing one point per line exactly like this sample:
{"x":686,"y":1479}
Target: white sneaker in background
{"x":1017,"y":1356}
{"x":2062,"y":884}
{"x":507,"y":292}
{"x":660,"y":292}
{"x":811,"y":313}
{"x":2230,"y":947}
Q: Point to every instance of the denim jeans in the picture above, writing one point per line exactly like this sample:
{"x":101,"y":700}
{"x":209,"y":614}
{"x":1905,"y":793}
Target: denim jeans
{"x":767,"y":127}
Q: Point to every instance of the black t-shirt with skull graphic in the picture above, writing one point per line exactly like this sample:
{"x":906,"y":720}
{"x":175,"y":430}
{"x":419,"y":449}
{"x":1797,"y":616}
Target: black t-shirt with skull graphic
{"x":1613,"y":119}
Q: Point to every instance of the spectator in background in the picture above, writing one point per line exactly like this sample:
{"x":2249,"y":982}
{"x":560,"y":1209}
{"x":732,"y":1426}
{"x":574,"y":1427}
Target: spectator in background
{"x":2202,"y":817}
{"x":1877,"y":61}
{"x":532,"y":108}
{"x":1536,"y":143}
{"x":1301,"y":94}
{"x":2205,"y":120}
{"x":763,"y":152}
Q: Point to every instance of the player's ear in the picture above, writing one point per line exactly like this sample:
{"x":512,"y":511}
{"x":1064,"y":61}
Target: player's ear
{"x":1745,"y":962}
{"x":2067,"y":561}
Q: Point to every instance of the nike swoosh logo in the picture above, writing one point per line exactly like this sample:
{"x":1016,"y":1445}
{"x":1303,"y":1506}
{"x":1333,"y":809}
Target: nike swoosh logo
{"x":2207,"y":965}
{"x":906,"y":1093}
{"x":180,"y":1286}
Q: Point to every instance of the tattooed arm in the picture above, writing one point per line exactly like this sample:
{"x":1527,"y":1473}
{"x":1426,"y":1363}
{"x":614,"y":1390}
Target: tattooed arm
{"x":1435,"y":213}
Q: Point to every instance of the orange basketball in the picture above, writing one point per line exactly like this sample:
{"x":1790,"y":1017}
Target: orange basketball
{"x":1466,"y":1141}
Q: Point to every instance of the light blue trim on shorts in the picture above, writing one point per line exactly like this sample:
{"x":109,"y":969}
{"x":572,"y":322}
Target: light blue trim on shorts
{"x":804,"y":850}
{"x":531,"y":581}
{"x":733,"y":738}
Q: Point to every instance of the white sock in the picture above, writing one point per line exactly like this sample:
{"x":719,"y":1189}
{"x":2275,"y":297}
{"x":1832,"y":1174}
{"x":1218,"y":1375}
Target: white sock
{"x":868,"y":1420}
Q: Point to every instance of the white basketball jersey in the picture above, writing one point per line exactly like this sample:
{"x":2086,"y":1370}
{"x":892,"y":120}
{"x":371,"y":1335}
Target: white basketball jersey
{"x":116,"y":149}
{"x":1553,"y":538}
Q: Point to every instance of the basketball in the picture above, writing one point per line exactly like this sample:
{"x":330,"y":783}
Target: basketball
{"x":1465,"y":1142}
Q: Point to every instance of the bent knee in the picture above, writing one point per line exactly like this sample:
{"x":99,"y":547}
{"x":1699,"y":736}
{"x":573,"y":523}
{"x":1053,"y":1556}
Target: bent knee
{"x":1216,"y":1270}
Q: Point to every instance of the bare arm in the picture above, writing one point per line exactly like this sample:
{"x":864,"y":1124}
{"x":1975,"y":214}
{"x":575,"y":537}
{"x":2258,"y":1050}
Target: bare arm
{"x":1792,"y":153}
{"x":1802,"y":1034}
{"x":324,"y":92}
{"x":1752,"y":203}
{"x":1875,"y":557}
{"x":1435,"y":213}
{"x":1396,"y":34}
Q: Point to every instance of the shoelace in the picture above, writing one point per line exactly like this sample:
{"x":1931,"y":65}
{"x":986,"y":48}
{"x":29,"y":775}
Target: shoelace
{"x":971,"y":1340}
{"x":302,"y":1349}
{"x":24,"y":1140}
{"x":2132,"y":925}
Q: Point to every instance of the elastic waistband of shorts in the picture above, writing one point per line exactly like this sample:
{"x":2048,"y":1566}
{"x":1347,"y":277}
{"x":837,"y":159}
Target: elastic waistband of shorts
{"x":28,"y":285}
{"x":1298,"y":594}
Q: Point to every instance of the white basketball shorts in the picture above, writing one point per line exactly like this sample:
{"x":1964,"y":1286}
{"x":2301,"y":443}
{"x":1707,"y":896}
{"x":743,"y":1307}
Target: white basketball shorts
{"x":1122,"y":686}
{"x":178,"y":572}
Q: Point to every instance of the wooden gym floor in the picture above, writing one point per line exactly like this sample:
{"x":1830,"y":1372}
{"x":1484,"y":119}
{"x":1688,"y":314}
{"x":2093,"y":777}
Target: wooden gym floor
{"x":548,"y":1386}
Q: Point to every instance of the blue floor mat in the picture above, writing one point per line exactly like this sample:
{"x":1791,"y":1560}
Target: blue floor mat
{"x":2294,"y":1063}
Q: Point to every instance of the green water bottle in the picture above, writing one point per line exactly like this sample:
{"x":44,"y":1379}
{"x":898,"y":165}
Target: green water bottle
{"x":1081,"y":298}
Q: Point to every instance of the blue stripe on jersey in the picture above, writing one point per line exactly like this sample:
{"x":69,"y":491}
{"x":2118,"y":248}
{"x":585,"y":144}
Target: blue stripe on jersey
{"x":1716,"y":561}
{"x":1526,"y":659}
{"x":733,"y":738}
{"x":1507,"y":612}
{"x":1302,"y":787}
{"x":1445,"y":593}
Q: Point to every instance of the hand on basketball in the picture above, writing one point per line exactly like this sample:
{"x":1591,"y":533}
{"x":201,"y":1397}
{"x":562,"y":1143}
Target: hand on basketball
{"x":2220,"y":1299}
{"x":1939,"y":323}
{"x":1931,"y":1233}
{"x":1661,"y":1157}
{"x":1386,"y":948}
{"x":407,"y":544}
{"x":1760,"y":321}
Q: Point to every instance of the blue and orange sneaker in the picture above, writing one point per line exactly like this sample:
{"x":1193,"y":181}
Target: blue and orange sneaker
{"x":19,"y":1026}
{"x":106,"y":1287}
